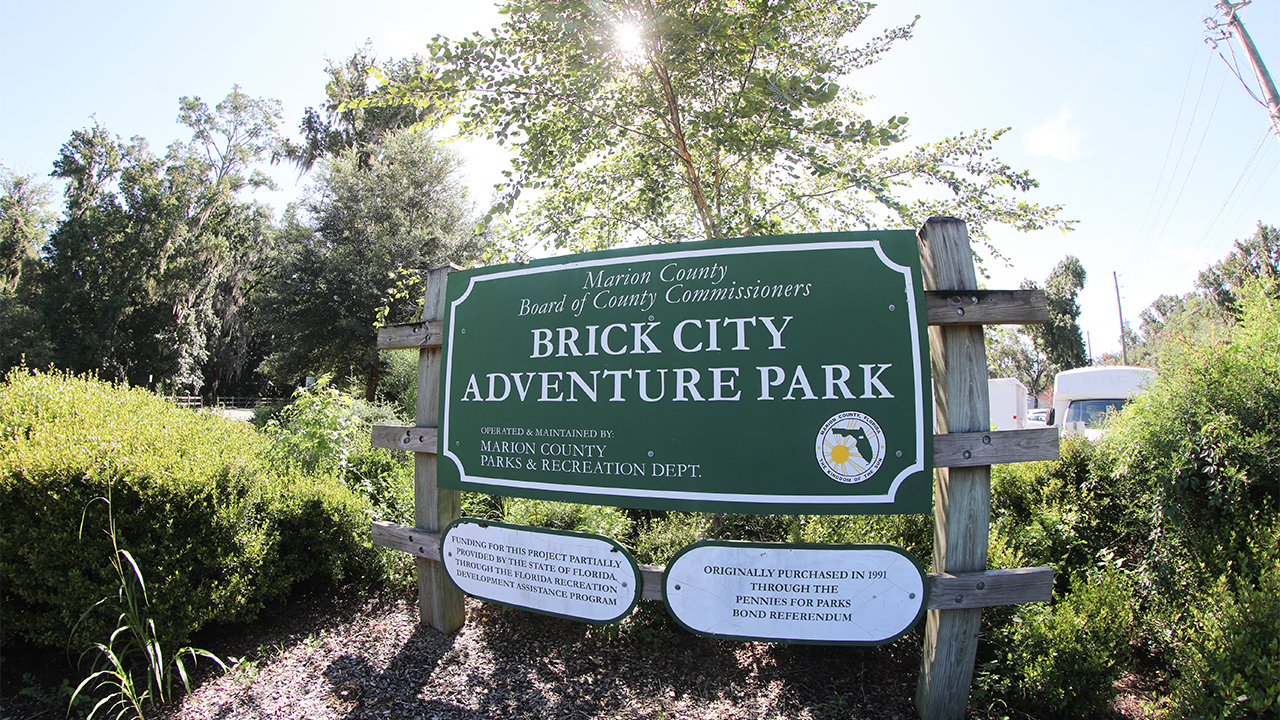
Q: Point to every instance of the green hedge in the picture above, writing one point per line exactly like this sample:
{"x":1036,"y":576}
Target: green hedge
{"x":217,"y":529}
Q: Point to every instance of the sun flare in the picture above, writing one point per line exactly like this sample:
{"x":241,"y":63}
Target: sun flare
{"x":629,"y":39}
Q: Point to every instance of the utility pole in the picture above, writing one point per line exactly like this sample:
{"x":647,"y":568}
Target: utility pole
{"x":1236,"y":25}
{"x":1124,"y":345}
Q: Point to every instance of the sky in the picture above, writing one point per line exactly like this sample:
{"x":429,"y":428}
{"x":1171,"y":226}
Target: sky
{"x":1124,"y":114}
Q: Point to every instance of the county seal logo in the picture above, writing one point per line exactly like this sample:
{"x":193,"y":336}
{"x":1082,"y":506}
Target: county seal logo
{"x":850,"y":447}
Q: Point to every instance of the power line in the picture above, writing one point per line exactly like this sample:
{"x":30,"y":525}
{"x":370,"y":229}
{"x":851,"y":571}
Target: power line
{"x":1234,"y":66}
{"x":1207,"y":238}
{"x":1139,"y":249}
{"x":1169,"y":150}
{"x":1251,"y":166}
{"x":1237,"y":29}
{"x":1185,"y":178}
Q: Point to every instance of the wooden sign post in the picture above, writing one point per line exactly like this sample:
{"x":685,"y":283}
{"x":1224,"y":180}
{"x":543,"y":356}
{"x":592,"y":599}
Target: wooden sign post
{"x":440,"y":602}
{"x":962,"y":495}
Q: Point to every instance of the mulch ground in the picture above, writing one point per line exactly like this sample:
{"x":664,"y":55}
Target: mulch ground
{"x":358,"y":655}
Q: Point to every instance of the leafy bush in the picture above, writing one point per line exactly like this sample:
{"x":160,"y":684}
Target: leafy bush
{"x":398,"y":383}
{"x":662,"y":536}
{"x":754,"y":528}
{"x":608,"y":521}
{"x":483,"y":506}
{"x":1198,"y":456}
{"x":1228,"y":657}
{"x":326,"y":432}
{"x":913,"y":533}
{"x":217,"y":530}
{"x":1058,"y":513}
{"x":1064,"y":658}
{"x":1194,"y":464}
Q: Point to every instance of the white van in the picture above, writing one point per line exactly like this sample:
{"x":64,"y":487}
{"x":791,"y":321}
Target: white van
{"x":1082,"y":398}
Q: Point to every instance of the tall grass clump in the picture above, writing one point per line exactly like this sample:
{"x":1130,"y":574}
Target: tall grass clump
{"x":215,"y":526}
{"x":132,"y":669}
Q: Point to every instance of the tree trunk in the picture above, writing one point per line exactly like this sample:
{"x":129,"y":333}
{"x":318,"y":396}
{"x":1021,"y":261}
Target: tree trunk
{"x":371,"y":382}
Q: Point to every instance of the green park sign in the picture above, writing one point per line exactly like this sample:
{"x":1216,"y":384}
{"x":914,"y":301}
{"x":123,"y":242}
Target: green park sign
{"x":761,"y":375}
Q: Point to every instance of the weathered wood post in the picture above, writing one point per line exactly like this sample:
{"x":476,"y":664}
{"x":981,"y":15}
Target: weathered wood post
{"x":962,"y":495}
{"x":440,"y":603}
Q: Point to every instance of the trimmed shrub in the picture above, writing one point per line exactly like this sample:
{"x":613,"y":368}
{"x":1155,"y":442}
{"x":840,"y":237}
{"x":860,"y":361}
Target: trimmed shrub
{"x":216,"y":530}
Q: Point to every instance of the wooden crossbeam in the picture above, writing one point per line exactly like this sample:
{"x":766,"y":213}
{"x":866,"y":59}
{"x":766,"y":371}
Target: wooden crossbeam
{"x":998,"y":447}
{"x":946,"y":592}
{"x":413,"y":439}
{"x":411,"y":335}
{"x":986,"y":307}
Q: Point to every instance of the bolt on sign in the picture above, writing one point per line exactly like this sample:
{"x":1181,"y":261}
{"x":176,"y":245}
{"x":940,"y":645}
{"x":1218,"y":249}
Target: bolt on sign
{"x":813,"y":594}
{"x":761,"y":375}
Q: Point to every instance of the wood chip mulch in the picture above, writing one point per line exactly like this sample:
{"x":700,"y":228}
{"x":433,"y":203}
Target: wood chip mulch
{"x":366,"y":657}
{"x":359,"y":654}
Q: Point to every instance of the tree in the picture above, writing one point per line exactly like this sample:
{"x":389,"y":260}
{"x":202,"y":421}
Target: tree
{"x":334,"y":128}
{"x":720,"y":119}
{"x":1059,"y":339}
{"x":1011,"y":353}
{"x":1176,"y":319}
{"x":1035,"y":354}
{"x":146,"y":268}
{"x":1255,"y":257}
{"x":25,"y":224}
{"x":355,"y":247}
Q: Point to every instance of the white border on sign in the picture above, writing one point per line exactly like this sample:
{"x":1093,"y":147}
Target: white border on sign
{"x":888,"y":497}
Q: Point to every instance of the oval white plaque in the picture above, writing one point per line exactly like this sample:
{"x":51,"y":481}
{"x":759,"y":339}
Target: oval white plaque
{"x":566,"y":574}
{"x":855,"y":594}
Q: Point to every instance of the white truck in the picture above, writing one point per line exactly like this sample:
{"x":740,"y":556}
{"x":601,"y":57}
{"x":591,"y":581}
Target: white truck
{"x":1083,"y":397}
{"x":1008,"y":397}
